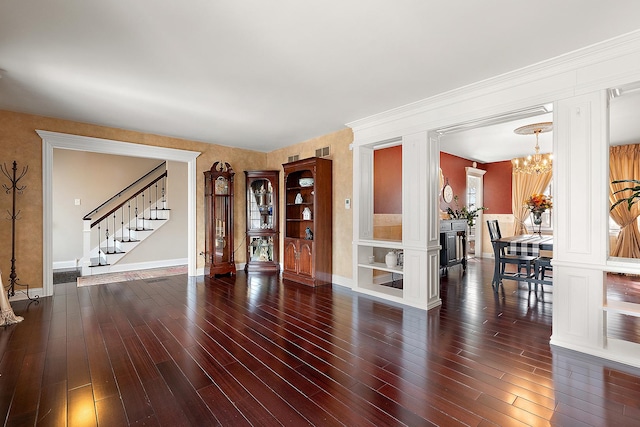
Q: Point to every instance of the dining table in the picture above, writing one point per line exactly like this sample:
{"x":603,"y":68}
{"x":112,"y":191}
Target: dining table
{"x":524,"y":244}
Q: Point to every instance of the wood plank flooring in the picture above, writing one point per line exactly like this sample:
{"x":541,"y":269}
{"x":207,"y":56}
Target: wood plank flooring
{"x":249,"y":350}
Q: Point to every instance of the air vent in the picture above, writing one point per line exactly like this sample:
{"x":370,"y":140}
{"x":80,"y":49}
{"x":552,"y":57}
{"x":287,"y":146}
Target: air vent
{"x":322,"y":152}
{"x":293,"y":158}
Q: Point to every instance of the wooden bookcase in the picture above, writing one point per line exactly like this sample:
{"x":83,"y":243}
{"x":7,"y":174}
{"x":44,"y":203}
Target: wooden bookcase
{"x":308,"y":221}
{"x":262,"y":239}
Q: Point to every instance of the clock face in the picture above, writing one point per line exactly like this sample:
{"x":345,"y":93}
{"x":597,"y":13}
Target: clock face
{"x":447,"y":193}
{"x":221,"y":185}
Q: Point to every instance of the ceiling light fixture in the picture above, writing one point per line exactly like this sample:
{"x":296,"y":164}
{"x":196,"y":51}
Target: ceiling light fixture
{"x":536,"y":163}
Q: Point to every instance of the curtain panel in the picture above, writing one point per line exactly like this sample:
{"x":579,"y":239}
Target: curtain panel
{"x":523,"y":186}
{"x":624,"y":163}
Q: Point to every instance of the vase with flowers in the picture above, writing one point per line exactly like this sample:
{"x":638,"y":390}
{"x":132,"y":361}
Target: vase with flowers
{"x":468,"y":213}
{"x":537,"y":205}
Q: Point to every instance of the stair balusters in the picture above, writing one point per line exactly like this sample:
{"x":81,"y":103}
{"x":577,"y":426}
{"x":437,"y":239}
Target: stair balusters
{"x":99,"y":249}
{"x":110,"y":245}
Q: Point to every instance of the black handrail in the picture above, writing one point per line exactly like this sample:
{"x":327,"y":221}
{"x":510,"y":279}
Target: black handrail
{"x":132,"y":197}
{"x":115,"y":196}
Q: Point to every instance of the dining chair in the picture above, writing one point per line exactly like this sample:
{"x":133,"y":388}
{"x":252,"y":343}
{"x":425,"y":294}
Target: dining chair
{"x":541,"y":266}
{"x":525,"y":262}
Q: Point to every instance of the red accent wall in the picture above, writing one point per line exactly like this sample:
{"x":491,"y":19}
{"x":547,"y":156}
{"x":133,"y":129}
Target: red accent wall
{"x":497,"y":183}
{"x":387,"y":165}
{"x":387,"y":180}
{"x":497,"y":187}
{"x":453,"y":170}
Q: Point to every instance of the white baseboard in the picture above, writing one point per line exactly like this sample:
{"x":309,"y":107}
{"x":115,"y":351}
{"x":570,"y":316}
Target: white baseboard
{"x":342,"y":281}
{"x":65,"y":265}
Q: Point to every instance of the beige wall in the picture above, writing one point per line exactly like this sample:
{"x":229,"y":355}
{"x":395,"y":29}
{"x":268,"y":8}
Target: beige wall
{"x":93,"y":178}
{"x":20,"y":142}
{"x":342,"y":163}
{"x":170,"y":242}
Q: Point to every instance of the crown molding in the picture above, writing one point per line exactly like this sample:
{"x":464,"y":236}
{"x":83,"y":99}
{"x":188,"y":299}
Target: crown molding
{"x":107,"y":146}
{"x":557,"y":67}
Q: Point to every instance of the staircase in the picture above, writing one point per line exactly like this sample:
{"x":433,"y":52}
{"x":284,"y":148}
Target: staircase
{"x":120,"y":226}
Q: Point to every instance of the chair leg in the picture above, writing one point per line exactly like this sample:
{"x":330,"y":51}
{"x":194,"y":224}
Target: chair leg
{"x":543,"y":271}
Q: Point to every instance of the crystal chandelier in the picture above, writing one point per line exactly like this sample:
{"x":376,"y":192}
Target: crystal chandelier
{"x":536,"y":163}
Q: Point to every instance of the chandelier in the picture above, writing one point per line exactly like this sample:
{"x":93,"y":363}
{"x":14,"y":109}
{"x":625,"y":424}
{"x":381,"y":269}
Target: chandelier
{"x":536,"y":163}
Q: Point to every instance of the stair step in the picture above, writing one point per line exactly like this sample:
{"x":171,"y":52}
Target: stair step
{"x":125,"y":240}
{"x":98,"y":265}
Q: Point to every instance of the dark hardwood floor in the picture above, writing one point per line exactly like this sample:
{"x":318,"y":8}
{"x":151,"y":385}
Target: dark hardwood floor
{"x":249,"y":350}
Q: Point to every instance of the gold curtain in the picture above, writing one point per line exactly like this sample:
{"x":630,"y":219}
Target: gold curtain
{"x":624,"y":163}
{"x":524,"y":185}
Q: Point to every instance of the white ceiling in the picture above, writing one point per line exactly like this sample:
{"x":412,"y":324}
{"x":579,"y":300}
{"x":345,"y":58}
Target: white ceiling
{"x":498,"y":142}
{"x":266,"y":74}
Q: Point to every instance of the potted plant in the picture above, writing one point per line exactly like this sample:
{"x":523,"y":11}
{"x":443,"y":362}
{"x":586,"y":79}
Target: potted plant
{"x":470,"y":214}
{"x":635,"y":192}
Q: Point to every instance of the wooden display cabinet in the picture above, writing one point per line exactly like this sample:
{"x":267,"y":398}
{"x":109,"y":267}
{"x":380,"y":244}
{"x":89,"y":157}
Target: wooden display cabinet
{"x":308,"y":221}
{"x":262,"y":221}
{"x":218,"y":210}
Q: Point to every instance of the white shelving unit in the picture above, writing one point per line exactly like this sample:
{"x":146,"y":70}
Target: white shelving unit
{"x":611,"y":308}
{"x":380,"y":266}
{"x":420,"y":242}
{"x":375,"y":277}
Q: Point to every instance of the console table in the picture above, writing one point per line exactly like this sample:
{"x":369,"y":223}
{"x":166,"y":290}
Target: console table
{"x":453,"y":242}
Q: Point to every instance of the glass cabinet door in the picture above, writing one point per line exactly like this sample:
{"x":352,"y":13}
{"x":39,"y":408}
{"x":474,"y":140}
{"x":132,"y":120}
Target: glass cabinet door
{"x":221,"y":234}
{"x":261,"y":249}
{"x":260,"y":205}
{"x":262,"y":221}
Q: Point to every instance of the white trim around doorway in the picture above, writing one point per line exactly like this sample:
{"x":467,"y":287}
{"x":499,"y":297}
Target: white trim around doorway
{"x":51,"y":140}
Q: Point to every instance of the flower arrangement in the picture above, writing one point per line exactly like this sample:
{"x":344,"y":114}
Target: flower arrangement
{"x":538,"y":203}
{"x":465,"y":213}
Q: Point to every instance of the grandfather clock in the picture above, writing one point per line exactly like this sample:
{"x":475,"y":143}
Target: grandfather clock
{"x":218,"y":211}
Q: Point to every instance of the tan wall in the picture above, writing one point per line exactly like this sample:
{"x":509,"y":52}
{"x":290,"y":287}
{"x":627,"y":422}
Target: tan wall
{"x":19,"y":141}
{"x":342,"y":163}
